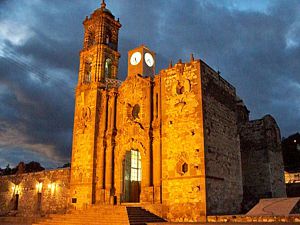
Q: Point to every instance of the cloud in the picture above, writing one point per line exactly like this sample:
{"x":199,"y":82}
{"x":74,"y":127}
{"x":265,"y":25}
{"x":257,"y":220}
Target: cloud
{"x":14,"y":137}
{"x":14,"y":33}
{"x":255,"y":45}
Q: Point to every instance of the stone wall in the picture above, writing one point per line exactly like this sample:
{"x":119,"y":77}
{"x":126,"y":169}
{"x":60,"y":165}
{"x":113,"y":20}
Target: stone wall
{"x":38,"y":193}
{"x":262,"y":164}
{"x":183,"y":170}
{"x":253,"y":219}
{"x":222,"y":146}
{"x":84,"y":138}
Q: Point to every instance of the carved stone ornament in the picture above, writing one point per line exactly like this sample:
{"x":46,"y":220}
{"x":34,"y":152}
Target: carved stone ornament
{"x":182,"y":86}
{"x":85,"y":117}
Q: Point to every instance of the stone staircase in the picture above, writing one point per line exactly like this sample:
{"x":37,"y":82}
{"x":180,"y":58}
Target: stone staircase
{"x":140,"y":216}
{"x":15,"y":220}
{"x":96,"y":215}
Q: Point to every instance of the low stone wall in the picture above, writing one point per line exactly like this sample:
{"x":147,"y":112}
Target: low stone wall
{"x":35,"y":193}
{"x":244,"y":218}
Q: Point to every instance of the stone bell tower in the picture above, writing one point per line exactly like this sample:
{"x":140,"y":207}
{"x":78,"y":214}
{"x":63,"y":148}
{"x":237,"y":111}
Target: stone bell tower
{"x":98,"y":70}
{"x":99,"y":57}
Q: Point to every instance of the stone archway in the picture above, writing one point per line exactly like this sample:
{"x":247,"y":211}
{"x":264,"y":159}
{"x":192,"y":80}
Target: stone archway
{"x":132,"y":176}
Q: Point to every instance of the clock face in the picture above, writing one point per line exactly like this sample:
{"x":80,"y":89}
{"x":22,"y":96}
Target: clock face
{"x":149,"y":59}
{"x":135,"y":58}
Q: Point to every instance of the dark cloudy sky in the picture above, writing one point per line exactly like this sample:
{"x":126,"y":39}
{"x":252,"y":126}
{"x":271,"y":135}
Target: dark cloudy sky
{"x":255,"y":44}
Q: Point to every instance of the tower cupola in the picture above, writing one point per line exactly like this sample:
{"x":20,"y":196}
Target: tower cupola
{"x":99,"y":57}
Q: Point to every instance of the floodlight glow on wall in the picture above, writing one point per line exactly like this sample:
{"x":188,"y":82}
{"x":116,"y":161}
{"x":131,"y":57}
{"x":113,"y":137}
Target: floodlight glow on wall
{"x":39,"y":187}
{"x":16,"y":189}
{"x":52,"y":187}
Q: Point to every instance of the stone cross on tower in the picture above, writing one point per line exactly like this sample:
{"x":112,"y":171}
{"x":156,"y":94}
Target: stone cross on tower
{"x":103,"y":5}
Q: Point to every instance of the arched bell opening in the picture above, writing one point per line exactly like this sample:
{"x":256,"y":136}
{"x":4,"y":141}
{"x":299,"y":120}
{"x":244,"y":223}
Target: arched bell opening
{"x":108,"y":68}
{"x":132,"y":176}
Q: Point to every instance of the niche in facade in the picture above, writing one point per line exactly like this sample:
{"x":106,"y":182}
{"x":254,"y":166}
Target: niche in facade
{"x":87,"y":72}
{"x":182,"y":167}
{"x":183,"y":87}
{"x":179,"y":88}
{"x":135,"y":111}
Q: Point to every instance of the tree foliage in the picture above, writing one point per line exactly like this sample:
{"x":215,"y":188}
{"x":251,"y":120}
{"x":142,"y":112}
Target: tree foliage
{"x":22,"y":168}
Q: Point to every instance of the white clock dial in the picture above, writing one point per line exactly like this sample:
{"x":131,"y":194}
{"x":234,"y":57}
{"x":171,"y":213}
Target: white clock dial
{"x":149,"y":59}
{"x":135,"y":58}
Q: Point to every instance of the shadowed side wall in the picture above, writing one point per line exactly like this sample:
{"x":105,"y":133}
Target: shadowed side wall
{"x":222,"y":146}
{"x":263,"y":170}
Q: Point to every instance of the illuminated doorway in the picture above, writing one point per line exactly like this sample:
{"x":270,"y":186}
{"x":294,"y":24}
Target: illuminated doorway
{"x":132,"y":174}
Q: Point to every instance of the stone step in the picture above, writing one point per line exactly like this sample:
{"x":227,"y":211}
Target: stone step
{"x":140,"y":216}
{"x":98,"y":215}
{"x":103,"y":215}
{"x":82,"y":223}
{"x":18,"y":220}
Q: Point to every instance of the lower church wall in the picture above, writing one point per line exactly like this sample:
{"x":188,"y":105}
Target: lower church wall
{"x":37,"y":193}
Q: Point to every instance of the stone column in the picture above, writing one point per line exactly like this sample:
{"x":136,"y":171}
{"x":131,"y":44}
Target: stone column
{"x":113,"y":137}
{"x":147,"y":189}
{"x":110,"y":137}
{"x":156,"y":162}
{"x":108,"y":155}
{"x":156,"y":125}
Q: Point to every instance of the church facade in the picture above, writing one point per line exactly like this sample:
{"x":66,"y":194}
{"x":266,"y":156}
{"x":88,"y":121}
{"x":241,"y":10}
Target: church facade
{"x":169,"y":139}
{"x":179,"y":143}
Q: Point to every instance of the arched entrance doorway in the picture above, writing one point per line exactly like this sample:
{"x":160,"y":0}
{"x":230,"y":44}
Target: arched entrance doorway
{"x":132,"y":176}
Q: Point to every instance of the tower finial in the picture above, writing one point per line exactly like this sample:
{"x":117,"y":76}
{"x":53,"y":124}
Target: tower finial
{"x":192,"y":57}
{"x":103,"y":5}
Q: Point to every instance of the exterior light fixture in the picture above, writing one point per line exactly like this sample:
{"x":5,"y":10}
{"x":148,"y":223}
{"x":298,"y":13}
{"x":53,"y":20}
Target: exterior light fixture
{"x":52,"y":187}
{"x":16,"y":189}
{"x":39,"y":187}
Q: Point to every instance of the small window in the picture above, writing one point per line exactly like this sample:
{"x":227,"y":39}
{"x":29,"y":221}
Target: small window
{"x":135,"y":111}
{"x":107,"y":39}
{"x":136,"y":166}
{"x":88,"y":72}
{"x":184,"y":167}
{"x":91,"y":39}
{"x":108,"y":68}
